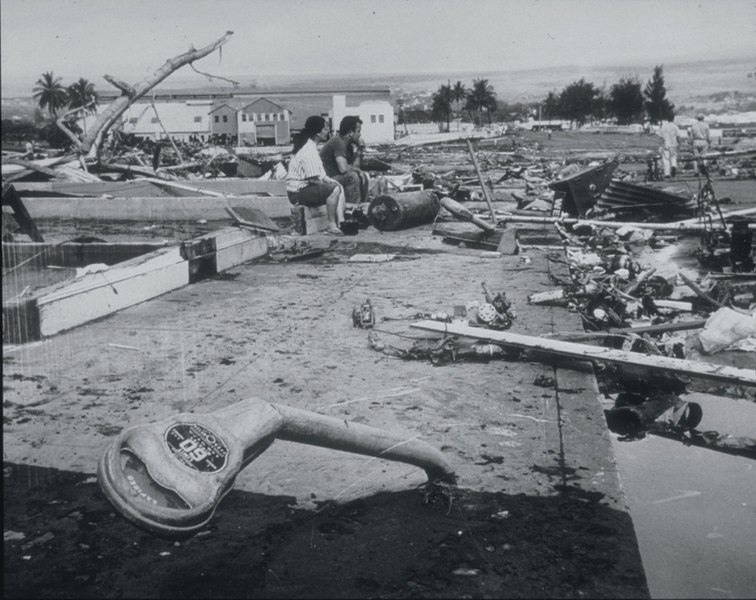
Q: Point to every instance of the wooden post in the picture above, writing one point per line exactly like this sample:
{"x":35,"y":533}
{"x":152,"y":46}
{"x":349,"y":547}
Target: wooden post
{"x":480,"y":179}
{"x":691,"y":368}
{"x":165,"y":131}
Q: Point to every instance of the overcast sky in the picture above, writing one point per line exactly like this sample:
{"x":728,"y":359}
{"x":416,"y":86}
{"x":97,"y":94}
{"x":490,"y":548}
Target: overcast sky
{"x":130,"y":38}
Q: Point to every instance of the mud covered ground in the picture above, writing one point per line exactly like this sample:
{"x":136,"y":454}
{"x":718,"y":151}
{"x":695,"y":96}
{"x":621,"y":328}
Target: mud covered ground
{"x":385,"y":545}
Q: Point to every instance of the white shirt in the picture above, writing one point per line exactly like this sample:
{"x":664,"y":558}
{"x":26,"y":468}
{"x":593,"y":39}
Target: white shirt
{"x":669,"y":134}
{"x":699,"y":131}
{"x":304,"y":164}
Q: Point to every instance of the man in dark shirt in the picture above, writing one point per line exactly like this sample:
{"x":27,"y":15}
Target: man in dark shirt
{"x":340,"y":156}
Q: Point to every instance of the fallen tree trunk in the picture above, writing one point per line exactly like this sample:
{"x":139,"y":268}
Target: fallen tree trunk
{"x":132,"y":93}
{"x":596,"y":353}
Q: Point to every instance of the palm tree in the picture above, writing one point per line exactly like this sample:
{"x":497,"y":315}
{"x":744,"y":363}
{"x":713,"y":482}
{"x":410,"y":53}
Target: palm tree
{"x":49,"y":92}
{"x":441,"y":107}
{"x":458,"y":94}
{"x":82,"y":95}
{"x":480,"y":98}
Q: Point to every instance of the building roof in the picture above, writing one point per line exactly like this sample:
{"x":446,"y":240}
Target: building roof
{"x":219,"y":106}
{"x":158,"y":94}
{"x":266,"y":99}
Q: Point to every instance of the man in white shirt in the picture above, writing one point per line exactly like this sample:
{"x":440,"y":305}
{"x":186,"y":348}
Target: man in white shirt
{"x":669,"y":134}
{"x":701,"y":138}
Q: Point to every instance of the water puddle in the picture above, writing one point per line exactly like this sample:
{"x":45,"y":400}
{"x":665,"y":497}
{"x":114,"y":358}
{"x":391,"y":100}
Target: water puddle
{"x":694,"y":509}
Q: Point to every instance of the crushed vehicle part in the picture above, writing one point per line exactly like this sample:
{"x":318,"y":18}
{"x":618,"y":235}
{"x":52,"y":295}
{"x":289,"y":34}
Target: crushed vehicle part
{"x":363,"y":315}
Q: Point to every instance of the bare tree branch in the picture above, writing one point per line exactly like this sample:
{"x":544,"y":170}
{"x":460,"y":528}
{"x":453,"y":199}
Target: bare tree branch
{"x":125,"y":88}
{"x":112,"y":113}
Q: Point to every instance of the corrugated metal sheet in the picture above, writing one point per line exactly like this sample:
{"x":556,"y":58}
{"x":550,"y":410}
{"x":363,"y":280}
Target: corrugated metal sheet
{"x":624,"y":197}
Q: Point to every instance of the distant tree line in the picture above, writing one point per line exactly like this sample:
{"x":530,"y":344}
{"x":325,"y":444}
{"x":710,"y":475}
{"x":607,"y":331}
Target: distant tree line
{"x":627,"y":101}
{"x":479,"y":102}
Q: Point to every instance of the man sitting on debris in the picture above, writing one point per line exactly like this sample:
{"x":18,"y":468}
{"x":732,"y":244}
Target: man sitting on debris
{"x":306,"y":182}
{"x":701,"y":138}
{"x":341,"y":155}
{"x":669,"y":134}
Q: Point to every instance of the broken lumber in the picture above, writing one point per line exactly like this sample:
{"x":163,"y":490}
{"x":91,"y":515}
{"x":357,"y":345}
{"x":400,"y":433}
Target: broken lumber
{"x":149,"y":187}
{"x":486,"y":193}
{"x":74,"y":302}
{"x":685,"y":225}
{"x":463,"y":233}
{"x":73,"y":254}
{"x":156,"y":208}
{"x":711,"y":440}
{"x":459,"y":211}
{"x":699,"y":292}
{"x":595,"y":353}
{"x":20,"y":213}
{"x":252,"y":218}
{"x":115,"y":109}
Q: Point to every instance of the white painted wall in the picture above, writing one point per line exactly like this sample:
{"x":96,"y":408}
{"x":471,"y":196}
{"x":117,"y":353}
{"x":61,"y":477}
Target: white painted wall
{"x":377,"y":118}
{"x":181,"y":119}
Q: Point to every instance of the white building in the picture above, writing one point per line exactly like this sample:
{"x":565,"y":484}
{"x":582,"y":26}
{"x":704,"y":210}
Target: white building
{"x":377,"y":118}
{"x":188,"y":112}
{"x":264,"y":122}
{"x":181,"y":119}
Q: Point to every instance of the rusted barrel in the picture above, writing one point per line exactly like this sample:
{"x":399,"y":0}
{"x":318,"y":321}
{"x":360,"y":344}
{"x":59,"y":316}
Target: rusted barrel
{"x":403,"y":210}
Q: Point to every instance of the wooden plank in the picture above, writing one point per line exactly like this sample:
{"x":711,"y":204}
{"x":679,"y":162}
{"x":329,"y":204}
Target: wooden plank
{"x":145,"y":187}
{"x":483,"y":185}
{"x":251,"y":217}
{"x":469,"y":235}
{"x":459,"y":211}
{"x":235,"y":246}
{"x":596,"y":353}
{"x":685,"y":225}
{"x":21,"y":214}
{"x":174,"y":208}
{"x":72,"y":254}
{"x":222,"y":187}
{"x":95,"y":295}
{"x":508,"y":243}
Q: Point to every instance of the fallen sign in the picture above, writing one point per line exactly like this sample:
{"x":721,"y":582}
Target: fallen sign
{"x":596,"y":353}
{"x":170,"y":476}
